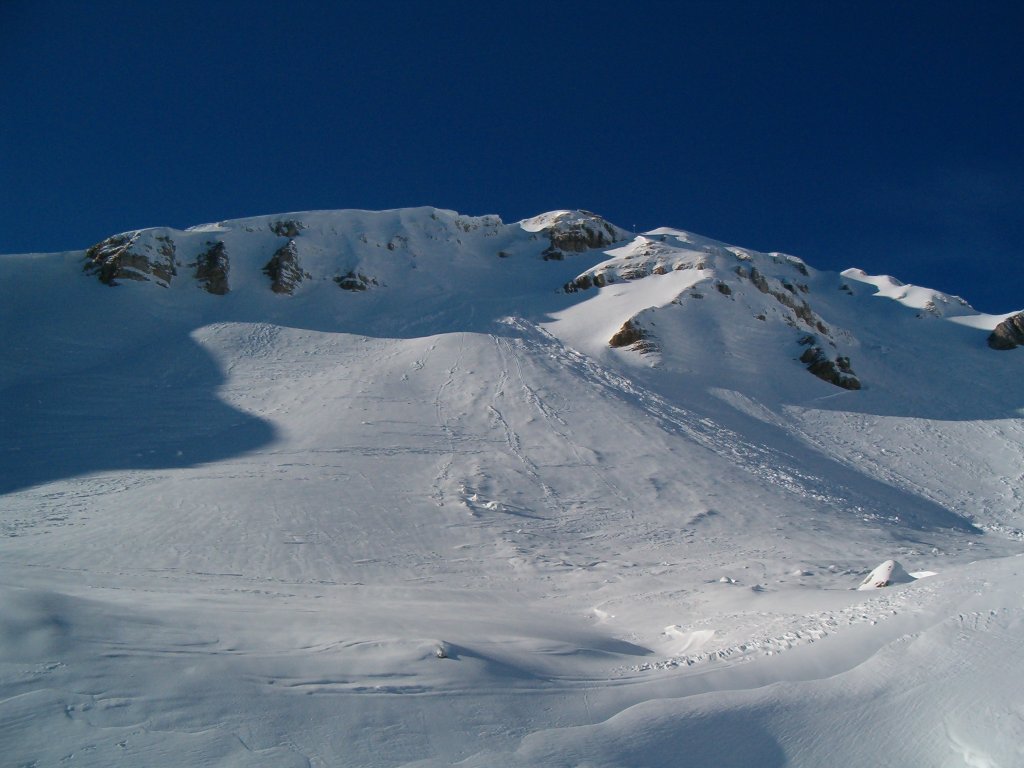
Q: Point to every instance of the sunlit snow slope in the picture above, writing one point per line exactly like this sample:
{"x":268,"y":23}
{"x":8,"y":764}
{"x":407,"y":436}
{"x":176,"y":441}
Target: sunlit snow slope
{"x":380,"y":488}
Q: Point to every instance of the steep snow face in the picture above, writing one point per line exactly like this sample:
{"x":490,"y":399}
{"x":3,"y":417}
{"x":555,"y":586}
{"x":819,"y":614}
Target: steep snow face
{"x":262,"y":479}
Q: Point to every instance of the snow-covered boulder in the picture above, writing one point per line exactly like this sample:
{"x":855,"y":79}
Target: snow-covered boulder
{"x":885,"y":575}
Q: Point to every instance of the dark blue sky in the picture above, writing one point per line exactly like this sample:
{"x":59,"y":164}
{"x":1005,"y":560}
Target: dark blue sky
{"x":888,"y":136}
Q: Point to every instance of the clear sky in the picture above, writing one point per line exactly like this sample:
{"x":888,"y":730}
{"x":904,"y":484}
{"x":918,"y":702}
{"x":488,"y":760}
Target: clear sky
{"x":888,"y":136}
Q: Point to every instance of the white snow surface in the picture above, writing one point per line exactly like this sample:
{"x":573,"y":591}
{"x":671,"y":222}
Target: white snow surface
{"x":442,"y":522}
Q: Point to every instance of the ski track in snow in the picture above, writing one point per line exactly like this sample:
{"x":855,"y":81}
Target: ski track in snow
{"x":512,"y":439}
{"x":751,"y":458}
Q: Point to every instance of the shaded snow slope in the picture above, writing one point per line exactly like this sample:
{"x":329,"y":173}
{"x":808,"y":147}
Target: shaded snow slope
{"x":397,"y":499}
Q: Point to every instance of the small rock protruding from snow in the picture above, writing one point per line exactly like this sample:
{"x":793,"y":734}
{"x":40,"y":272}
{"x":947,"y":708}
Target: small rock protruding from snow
{"x":630,"y":333}
{"x":1009,"y":334}
{"x":888,"y":573}
{"x":835,"y":371}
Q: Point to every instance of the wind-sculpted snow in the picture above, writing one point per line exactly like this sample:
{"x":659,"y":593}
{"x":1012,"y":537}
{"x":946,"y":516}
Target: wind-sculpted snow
{"x":392,"y":498}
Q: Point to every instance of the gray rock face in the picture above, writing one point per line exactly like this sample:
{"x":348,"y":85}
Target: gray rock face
{"x":651,"y":257}
{"x":788,"y":298}
{"x":287,"y":228}
{"x":837,"y":371}
{"x":123,"y":257}
{"x":633,"y":335}
{"x":582,"y":233}
{"x":212,"y":269}
{"x":354,"y":281}
{"x":586,"y":281}
{"x":1009,"y":333}
{"x":283,"y":269}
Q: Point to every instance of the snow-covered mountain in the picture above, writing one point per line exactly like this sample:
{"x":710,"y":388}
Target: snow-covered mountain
{"x":379,"y":488}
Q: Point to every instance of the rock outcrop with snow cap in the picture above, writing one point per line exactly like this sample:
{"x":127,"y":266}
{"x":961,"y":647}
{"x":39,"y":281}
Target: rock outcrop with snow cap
{"x":574,"y":232}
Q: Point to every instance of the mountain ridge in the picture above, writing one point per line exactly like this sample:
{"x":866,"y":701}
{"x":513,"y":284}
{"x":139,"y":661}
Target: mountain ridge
{"x":456,"y":271}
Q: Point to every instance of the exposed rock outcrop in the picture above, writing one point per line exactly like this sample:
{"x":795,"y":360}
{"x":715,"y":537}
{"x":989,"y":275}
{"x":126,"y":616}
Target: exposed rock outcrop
{"x":128,"y":257}
{"x":759,"y":280}
{"x":587,"y":280}
{"x":629,"y":333}
{"x":648,"y":256}
{"x":633,"y":335}
{"x":284,"y":270}
{"x":586,"y":232}
{"x":212,"y":269}
{"x":787,"y":297}
{"x":835,"y":371}
{"x":287,"y":228}
{"x":578,"y":231}
{"x":1009,"y":333}
{"x":354,"y":281}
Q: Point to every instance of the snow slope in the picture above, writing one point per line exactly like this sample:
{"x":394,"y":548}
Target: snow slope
{"x":436,"y":518}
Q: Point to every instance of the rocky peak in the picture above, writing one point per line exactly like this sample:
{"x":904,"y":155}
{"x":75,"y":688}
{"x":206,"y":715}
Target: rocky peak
{"x":574,"y":232}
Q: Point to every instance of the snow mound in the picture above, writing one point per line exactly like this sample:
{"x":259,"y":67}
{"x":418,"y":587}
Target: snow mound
{"x":885,"y":575}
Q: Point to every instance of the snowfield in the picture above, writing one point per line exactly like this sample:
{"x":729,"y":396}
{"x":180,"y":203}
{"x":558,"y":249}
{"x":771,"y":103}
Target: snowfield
{"x":422,"y":512}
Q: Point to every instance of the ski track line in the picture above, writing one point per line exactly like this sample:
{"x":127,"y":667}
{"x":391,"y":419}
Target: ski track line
{"x":561,"y":428}
{"x":551,"y":498}
{"x":701,"y":430}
